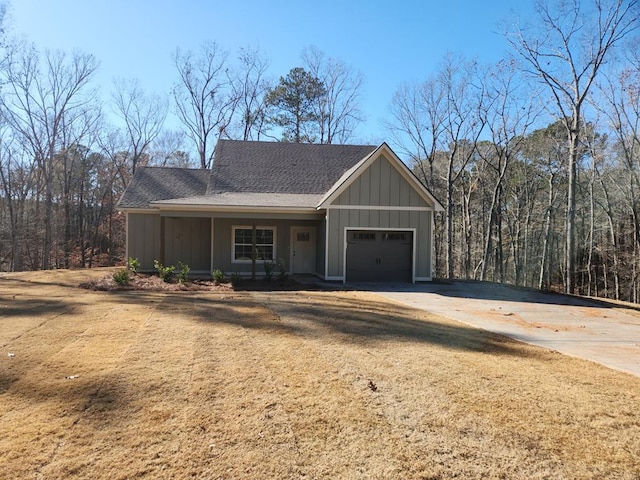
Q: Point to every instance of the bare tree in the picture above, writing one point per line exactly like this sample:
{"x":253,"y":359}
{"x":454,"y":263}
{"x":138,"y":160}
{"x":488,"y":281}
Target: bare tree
{"x":418,"y":112}
{"x":17,"y":180}
{"x":250,"y":88}
{"x":565,"y":51}
{"x":204,"y":99}
{"x":43,"y":98}
{"x":337,"y":111}
{"x":508,"y":116}
{"x":621,"y":108}
{"x":439,"y":123}
{"x":462,"y":126}
{"x":143,"y":116}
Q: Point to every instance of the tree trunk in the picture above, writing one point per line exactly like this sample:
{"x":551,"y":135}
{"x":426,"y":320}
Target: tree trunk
{"x":547,"y":233}
{"x":574,"y":136}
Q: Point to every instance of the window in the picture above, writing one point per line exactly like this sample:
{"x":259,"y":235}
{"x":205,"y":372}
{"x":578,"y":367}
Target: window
{"x":303,"y":236}
{"x":363,"y":236}
{"x":397,"y":236}
{"x":243,"y":243}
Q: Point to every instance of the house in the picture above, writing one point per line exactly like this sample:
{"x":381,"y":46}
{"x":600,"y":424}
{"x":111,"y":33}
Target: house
{"x":342,"y":212}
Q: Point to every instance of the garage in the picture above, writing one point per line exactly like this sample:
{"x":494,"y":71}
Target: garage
{"x":379,"y":256}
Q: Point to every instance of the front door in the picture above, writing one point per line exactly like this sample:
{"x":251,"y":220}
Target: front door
{"x":303,"y":249}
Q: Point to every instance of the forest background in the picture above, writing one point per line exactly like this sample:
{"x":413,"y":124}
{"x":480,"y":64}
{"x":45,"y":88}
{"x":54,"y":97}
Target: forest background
{"x":536,"y":158}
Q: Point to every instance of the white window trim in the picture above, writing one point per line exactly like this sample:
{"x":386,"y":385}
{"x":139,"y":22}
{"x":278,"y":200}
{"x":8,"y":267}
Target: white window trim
{"x":250,"y":227}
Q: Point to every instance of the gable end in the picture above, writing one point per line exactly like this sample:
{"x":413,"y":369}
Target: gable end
{"x":381,"y":180}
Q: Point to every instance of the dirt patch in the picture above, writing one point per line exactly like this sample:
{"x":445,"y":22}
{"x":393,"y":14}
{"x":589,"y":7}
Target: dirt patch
{"x":211,"y":384}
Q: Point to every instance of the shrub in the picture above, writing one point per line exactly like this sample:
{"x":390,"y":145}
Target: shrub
{"x":268,"y":270}
{"x":133,"y":264}
{"x":183,"y":272}
{"x":121,"y":277}
{"x":282,"y":271}
{"x":218,"y":276}
{"x":165,"y":273}
{"x":236,"y":280}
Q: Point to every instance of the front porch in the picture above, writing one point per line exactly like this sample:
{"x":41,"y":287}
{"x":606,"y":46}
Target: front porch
{"x":210,"y":241}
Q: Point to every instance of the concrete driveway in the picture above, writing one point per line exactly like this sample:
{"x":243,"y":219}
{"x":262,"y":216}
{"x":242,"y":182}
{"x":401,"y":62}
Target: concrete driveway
{"x":603,"y":333}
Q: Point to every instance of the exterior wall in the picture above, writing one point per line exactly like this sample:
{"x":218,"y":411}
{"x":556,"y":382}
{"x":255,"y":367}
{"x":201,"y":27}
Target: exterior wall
{"x":340,"y":219}
{"x":380,"y":198}
{"x":188,"y":240}
{"x":381,"y":185}
{"x":223,"y":242}
{"x":143,"y":238}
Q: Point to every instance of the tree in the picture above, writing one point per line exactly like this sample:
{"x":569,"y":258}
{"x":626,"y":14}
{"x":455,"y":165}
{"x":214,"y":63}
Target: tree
{"x":418,"y":113}
{"x":250,"y":90}
{"x":204,"y":99}
{"x":143,"y":116}
{"x":167,"y":150}
{"x":621,"y":108}
{"x":462,"y":126}
{"x":565,"y":51}
{"x":337,"y":111}
{"x":508,"y":114}
{"x":292,"y":101}
{"x":44,"y":98}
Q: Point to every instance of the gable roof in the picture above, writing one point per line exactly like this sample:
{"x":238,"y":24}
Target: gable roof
{"x":278,"y":167}
{"x":258,"y":175}
{"x":350,"y":175}
{"x":151,"y":184}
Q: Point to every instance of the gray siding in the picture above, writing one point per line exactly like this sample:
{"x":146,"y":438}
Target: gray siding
{"x":143,"y":238}
{"x":222,"y":241}
{"x":188,"y":240}
{"x":341,"y":219}
{"x":381,"y":185}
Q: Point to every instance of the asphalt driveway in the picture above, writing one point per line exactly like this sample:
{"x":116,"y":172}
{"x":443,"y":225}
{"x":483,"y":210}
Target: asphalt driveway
{"x":596,"y":331}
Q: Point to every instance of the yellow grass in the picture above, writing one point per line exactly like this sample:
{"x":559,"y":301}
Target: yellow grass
{"x":281,"y":385}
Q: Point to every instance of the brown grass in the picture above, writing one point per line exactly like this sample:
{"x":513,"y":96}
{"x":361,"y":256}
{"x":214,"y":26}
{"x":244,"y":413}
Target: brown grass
{"x":125,"y":385}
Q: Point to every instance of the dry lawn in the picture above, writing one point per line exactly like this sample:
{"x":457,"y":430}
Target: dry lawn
{"x":124,"y":385}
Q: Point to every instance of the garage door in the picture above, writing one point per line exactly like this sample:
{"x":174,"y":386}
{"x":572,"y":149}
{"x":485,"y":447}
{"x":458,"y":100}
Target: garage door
{"x":379,"y":256}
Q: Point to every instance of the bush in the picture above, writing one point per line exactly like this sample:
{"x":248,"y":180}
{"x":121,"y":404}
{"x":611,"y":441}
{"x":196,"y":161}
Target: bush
{"x":133,"y":264}
{"x":165,"y":273}
{"x":121,"y":277}
{"x":236,"y":280}
{"x":268,"y":270}
{"x":218,"y":276}
{"x":183,"y":272}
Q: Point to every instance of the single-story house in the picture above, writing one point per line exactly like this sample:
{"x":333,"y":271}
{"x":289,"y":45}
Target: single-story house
{"x":342,"y":212}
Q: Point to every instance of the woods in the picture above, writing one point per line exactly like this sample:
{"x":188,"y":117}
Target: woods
{"x":536,"y":158}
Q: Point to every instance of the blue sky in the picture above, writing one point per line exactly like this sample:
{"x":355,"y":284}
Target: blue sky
{"x":389,"y":41}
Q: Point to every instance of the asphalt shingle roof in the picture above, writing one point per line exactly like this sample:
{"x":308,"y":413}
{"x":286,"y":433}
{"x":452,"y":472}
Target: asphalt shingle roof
{"x":162,"y":183}
{"x":278,"y":167}
{"x":297,"y":171}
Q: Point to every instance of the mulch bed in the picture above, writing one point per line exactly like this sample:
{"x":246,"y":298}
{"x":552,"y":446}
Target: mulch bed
{"x":150,"y":282}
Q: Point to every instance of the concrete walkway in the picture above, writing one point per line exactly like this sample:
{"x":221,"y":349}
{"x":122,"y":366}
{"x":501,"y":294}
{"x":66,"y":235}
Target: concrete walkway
{"x":595,"y":331}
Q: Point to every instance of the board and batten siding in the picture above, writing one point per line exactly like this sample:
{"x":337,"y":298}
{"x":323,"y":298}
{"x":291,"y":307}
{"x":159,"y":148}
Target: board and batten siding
{"x":143,"y":238}
{"x":188,"y":240}
{"x":381,"y":185}
{"x":401,"y":207}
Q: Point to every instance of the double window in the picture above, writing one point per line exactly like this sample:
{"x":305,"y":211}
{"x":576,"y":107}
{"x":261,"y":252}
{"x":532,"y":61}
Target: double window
{"x":243,"y":244}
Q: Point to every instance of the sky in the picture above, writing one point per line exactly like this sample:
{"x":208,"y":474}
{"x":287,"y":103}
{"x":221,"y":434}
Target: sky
{"x":390,"y":42}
